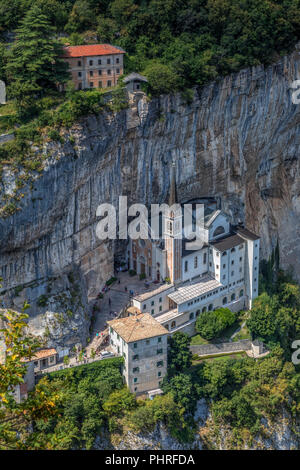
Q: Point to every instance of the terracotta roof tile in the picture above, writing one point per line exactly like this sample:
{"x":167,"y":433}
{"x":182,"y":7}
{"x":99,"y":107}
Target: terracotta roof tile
{"x":92,"y":50}
{"x":42,"y":354}
{"x":137,"y":327}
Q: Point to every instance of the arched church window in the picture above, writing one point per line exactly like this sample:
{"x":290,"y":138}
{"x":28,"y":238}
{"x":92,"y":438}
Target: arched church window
{"x":232,"y":296}
{"x":241,"y":293}
{"x":219,"y":230}
{"x":210,"y":307}
{"x":191,"y":315}
{"x":204,"y":309}
{"x":224,"y":300}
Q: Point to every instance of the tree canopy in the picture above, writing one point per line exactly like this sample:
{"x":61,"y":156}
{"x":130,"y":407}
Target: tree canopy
{"x":34,"y":62}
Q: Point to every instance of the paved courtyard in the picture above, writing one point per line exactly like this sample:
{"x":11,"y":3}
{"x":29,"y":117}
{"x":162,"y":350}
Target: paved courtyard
{"x":114,"y":301}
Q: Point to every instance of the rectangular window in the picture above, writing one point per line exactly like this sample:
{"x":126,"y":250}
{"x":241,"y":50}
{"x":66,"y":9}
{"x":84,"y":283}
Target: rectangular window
{"x":148,"y":341}
{"x":135,"y":369}
{"x":159,"y":351}
{"x":108,"y":72}
{"x":91,"y":73}
{"x":80,"y":86}
{"x":108,"y":83}
{"x":195,"y":262}
{"x":100,"y":84}
{"x":152,"y":302}
{"x":158,"y":374}
{"x":108,"y":61}
{"x":160,"y":363}
{"x":99,"y":61}
{"x":152,"y":312}
{"x":186,"y":265}
{"x":91,"y":62}
{"x":160,"y":299}
{"x":79,"y":63}
{"x":99,"y":72}
{"x":79,"y":74}
{"x":118,"y":71}
{"x":91,"y":84}
{"x":160,"y":308}
{"x":159,"y":340}
{"x":136,"y":357}
{"x":117,"y":60}
{"x":204,"y":258}
{"x":135,"y":380}
{"x":135,"y":345}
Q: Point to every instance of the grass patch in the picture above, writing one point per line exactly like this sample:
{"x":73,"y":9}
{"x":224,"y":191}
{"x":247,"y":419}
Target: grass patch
{"x":197,"y":339}
{"x":219,"y":357}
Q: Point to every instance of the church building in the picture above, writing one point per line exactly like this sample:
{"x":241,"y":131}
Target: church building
{"x":223,"y":272}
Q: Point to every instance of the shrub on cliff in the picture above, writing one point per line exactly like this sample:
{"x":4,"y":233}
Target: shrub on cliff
{"x":161,"y":78}
{"x":78,"y":105}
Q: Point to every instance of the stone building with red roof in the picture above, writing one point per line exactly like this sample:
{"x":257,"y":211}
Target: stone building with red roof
{"x":94,"y":66}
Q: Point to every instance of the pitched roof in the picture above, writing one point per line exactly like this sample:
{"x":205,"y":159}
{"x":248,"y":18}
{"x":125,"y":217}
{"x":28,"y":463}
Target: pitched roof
{"x":245,"y":233}
{"x":211,"y":217}
{"x":191,"y":291}
{"x":152,"y":292}
{"x":137,"y":327}
{"x":135,"y":76}
{"x":41,"y":354}
{"x":223,"y":244}
{"x":92,"y":50}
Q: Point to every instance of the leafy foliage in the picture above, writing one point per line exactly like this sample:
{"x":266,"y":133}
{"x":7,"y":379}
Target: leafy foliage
{"x":34,"y":62}
{"x":179,"y":355}
{"x":211,"y":324}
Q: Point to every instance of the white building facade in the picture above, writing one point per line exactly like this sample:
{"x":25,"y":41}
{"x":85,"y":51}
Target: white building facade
{"x":222,"y":273}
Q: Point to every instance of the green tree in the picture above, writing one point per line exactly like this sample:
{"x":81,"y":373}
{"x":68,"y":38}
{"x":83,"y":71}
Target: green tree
{"x":34,"y":61}
{"x":211,"y":324}
{"x":119,"y":401}
{"x":3,"y":55}
{"x":81,"y":17}
{"x":182,"y":388}
{"x":16,"y":419}
{"x":179,"y":354}
{"x":161,"y":78}
{"x":262,"y":321}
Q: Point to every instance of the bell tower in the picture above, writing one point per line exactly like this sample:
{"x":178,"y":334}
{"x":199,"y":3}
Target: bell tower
{"x":173,"y":232}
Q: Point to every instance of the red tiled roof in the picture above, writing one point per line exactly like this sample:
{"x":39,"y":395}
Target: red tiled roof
{"x":41,"y":354}
{"x":94,"y":49}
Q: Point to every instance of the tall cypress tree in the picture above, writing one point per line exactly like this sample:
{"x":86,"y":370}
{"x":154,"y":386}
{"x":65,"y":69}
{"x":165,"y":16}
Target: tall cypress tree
{"x":35,"y":61}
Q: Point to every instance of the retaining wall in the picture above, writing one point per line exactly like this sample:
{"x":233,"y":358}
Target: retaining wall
{"x":212,"y":349}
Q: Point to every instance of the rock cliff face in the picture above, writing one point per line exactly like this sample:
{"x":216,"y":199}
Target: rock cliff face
{"x":280,"y":434}
{"x":238,"y":140}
